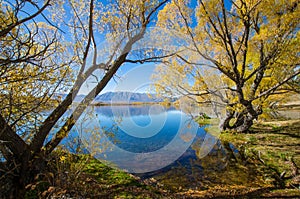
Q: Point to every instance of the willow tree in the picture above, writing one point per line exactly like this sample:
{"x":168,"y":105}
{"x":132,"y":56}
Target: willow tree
{"x":51,"y":47}
{"x":249,"y":48}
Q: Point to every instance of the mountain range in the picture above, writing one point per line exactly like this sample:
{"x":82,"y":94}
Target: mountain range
{"x":127,"y":97}
{"x":119,"y":97}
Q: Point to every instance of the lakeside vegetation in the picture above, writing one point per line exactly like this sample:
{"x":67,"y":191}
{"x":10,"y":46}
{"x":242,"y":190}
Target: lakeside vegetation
{"x":83,"y":176}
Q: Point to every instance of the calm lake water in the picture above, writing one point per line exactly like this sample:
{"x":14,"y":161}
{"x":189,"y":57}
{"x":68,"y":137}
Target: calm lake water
{"x":151,"y":141}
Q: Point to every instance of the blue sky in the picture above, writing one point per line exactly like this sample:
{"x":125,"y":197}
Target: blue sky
{"x":142,"y":73}
{"x":143,"y":76}
{"x":130,"y":77}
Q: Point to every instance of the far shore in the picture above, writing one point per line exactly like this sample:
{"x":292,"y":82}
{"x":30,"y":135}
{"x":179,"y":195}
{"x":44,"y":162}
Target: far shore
{"x":127,"y":103}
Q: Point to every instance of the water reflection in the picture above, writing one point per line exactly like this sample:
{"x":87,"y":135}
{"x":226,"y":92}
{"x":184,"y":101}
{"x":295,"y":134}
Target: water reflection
{"x":127,"y":110}
{"x":155,"y":142}
{"x":151,"y":138}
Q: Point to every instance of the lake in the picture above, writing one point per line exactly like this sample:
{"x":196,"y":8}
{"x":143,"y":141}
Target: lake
{"x":151,"y":141}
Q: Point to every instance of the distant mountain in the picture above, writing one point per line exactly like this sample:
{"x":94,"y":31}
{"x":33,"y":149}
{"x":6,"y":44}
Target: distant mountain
{"x":127,"y":97}
{"x":119,"y":97}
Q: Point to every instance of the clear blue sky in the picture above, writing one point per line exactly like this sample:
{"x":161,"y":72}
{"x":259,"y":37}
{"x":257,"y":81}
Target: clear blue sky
{"x":130,"y":77}
{"x":145,"y":71}
{"x":134,"y":76}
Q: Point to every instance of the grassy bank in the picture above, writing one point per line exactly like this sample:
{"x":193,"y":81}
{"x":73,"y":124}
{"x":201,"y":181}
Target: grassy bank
{"x":272,"y":151}
{"x":263,"y":163}
{"x":82,"y":176}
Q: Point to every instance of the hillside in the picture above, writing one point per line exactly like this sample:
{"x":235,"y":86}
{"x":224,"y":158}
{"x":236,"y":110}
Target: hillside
{"x":117,"y":97}
{"x":126,"y":97}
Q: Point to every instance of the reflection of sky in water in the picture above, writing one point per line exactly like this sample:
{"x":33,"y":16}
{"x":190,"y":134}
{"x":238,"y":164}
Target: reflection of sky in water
{"x":143,"y":125}
{"x":142,"y":134}
{"x":140,"y":120}
{"x":180,"y":149}
{"x":142,"y":139}
{"x":155,"y":130}
{"x":159,"y":139}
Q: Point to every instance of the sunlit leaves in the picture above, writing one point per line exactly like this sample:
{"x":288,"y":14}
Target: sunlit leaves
{"x":253,"y":44}
{"x":33,"y":67}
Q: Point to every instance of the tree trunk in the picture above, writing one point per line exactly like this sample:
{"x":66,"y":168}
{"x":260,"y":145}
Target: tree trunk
{"x":245,"y":124}
{"x":242,"y":124}
{"x":21,"y":173}
{"x":225,"y":123}
{"x":243,"y":119}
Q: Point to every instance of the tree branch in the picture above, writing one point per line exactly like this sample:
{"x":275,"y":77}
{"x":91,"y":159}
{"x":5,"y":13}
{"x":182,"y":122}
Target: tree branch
{"x":12,"y":26}
{"x":14,"y":142}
